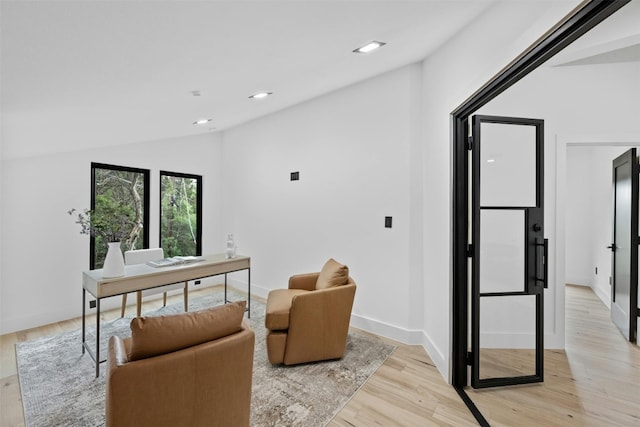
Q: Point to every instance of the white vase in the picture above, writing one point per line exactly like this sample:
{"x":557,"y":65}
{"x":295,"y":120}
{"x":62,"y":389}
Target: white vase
{"x":114,"y":261}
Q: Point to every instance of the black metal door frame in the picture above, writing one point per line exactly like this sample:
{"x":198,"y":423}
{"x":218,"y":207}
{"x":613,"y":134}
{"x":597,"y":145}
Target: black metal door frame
{"x":582,"y":19}
{"x":535,"y":273}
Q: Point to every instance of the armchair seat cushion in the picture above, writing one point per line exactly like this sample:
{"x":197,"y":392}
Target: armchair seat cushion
{"x":278,"y":308}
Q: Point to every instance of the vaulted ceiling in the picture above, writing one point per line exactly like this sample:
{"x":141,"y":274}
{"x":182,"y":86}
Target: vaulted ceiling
{"x":81,"y":74}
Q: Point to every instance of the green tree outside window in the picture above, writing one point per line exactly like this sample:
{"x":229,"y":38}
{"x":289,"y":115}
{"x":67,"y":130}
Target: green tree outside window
{"x":120,"y":192}
{"x":180,"y":214}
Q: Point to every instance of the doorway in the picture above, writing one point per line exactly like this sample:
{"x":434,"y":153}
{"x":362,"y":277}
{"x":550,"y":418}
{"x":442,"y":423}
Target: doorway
{"x":584,"y":19}
{"x":589,"y":205}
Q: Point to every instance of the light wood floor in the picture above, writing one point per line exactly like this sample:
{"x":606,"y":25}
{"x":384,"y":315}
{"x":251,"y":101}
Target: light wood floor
{"x":596,"y":381}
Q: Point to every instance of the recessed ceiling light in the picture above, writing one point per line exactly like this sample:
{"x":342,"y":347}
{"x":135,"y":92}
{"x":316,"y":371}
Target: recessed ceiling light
{"x":369,"y":47}
{"x":201,"y":121}
{"x":260,"y":95}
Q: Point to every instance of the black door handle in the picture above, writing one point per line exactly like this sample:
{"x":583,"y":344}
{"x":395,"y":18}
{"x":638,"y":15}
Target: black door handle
{"x":612,"y":247}
{"x":545,"y":263}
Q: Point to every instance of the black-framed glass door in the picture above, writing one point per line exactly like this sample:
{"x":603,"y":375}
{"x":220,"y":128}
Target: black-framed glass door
{"x":624,"y":246}
{"x":508,"y":251}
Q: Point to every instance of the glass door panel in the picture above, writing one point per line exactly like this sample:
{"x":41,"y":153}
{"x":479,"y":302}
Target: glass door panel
{"x":508,"y":165}
{"x":507,"y":344}
{"x":502,"y":251}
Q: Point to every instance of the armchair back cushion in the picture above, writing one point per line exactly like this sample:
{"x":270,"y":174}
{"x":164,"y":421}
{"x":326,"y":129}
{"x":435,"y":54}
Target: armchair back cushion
{"x":152,"y":336}
{"x":332,"y":274}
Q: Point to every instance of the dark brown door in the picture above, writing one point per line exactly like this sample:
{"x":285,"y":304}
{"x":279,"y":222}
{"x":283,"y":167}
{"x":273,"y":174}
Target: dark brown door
{"x":624,"y":247}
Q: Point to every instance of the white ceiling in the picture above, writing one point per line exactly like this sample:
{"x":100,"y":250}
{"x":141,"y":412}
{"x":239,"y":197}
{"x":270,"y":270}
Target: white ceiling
{"x":83,"y":74}
{"x":96,"y":73}
{"x":615,"y":40}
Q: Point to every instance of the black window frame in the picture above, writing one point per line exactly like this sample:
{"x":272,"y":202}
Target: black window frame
{"x":198,"y":179}
{"x":146,"y":202}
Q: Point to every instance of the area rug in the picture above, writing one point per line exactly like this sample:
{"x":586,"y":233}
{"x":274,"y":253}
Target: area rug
{"x":59,"y":387}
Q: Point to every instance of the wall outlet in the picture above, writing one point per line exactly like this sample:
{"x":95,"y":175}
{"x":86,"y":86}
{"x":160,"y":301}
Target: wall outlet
{"x":596,"y":271}
{"x":295,"y":176}
{"x":92,"y":303}
{"x":196,"y":283}
{"x":388,"y":221}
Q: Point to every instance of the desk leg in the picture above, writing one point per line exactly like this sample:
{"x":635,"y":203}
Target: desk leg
{"x":139,"y":303}
{"x":97,"y":337}
{"x":226,"y":300}
{"x":84,"y":301}
{"x":186,"y":296}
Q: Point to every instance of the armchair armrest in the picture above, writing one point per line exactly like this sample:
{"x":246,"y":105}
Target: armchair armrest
{"x":305,"y":281}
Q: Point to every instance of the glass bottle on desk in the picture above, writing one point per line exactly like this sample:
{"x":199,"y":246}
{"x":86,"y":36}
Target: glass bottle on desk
{"x":230,"y":252}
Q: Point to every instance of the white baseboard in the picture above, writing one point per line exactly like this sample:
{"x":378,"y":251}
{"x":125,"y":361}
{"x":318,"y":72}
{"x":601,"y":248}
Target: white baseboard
{"x":405,"y":336}
{"x":256,"y":289}
{"x":604,"y":297}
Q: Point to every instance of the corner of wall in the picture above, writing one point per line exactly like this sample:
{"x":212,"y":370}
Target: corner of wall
{"x":405,"y":336}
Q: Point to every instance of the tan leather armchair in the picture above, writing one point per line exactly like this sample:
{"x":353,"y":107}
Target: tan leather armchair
{"x":189,"y":369}
{"x":309,"y":321}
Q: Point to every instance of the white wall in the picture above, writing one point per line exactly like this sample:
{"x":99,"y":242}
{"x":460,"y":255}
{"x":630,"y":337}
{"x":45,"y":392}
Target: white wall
{"x":579,"y":256}
{"x":353,"y":149}
{"x":43,"y":250}
{"x":374,"y":149}
{"x":1,"y":221}
{"x":450,"y":76}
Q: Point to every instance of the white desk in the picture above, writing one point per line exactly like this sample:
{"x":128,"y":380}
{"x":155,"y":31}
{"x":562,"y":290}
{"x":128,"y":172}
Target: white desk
{"x":142,"y":276}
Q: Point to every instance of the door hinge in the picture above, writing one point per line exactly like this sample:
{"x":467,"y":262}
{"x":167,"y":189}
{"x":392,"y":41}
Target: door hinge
{"x":469,"y":358}
{"x":470,"y":143}
{"x":470,"y":251}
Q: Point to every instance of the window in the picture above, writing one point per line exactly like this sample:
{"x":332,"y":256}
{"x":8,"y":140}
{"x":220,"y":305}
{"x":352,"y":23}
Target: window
{"x":123,"y":191}
{"x":180,"y":214}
